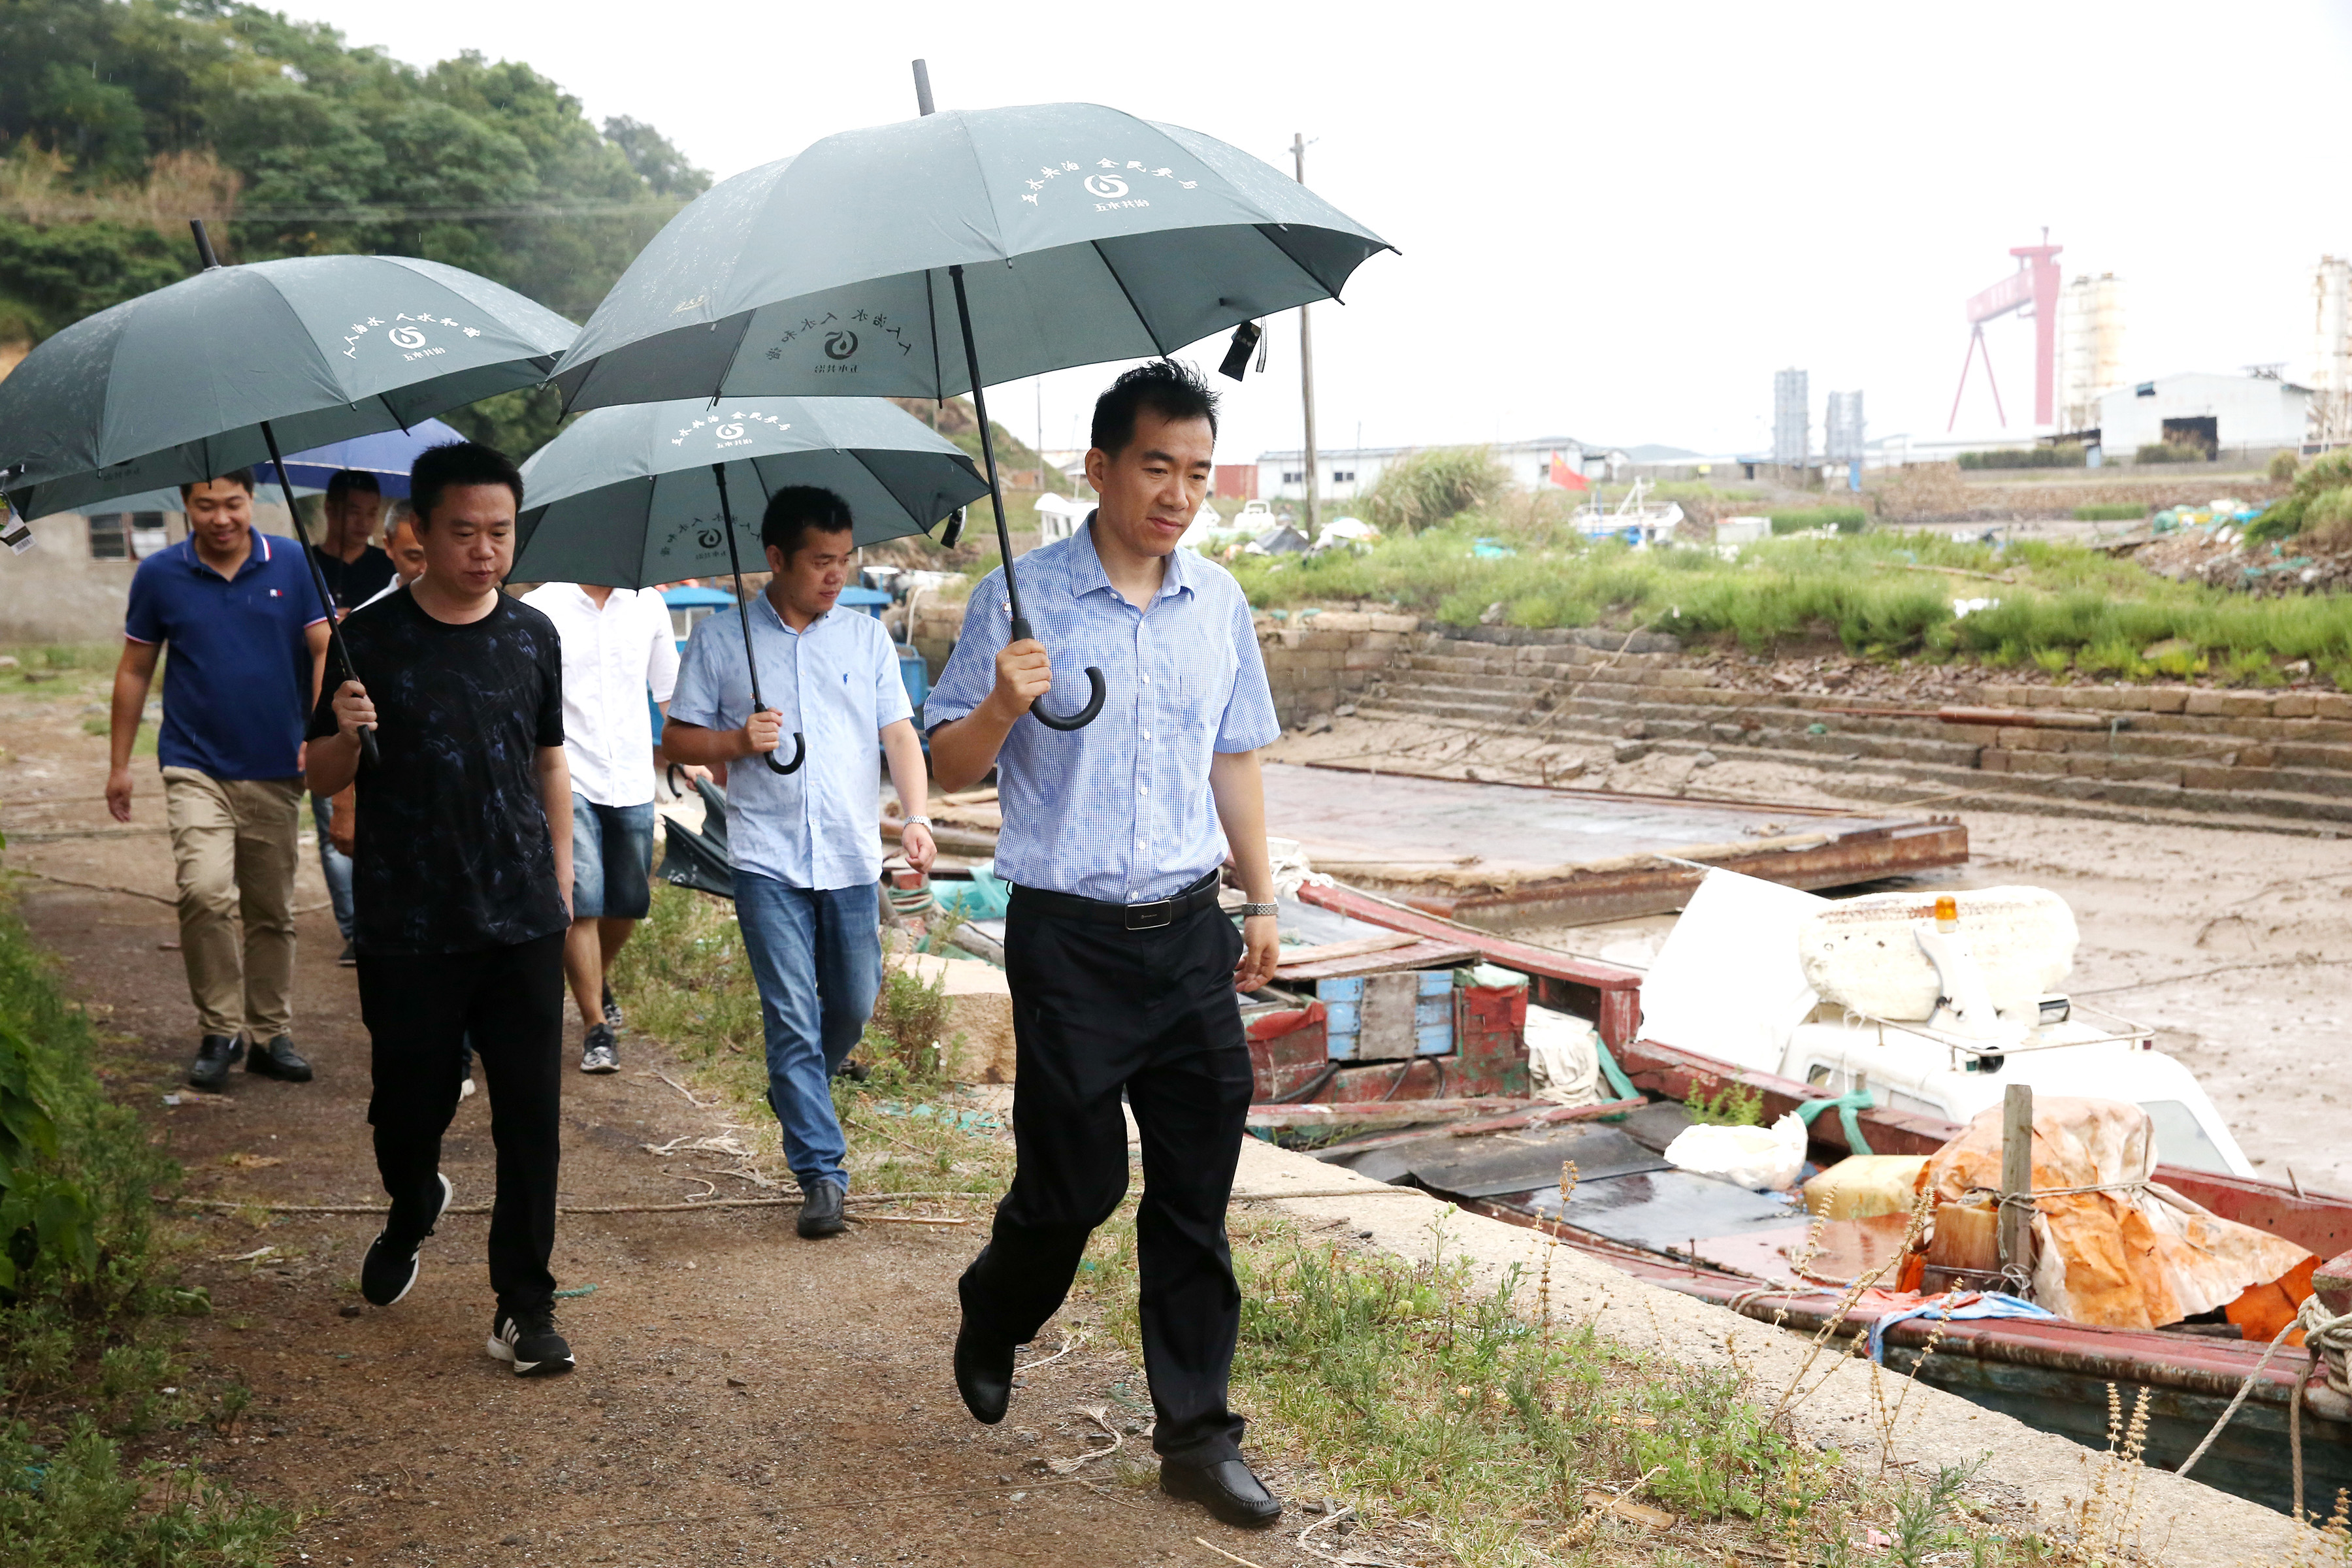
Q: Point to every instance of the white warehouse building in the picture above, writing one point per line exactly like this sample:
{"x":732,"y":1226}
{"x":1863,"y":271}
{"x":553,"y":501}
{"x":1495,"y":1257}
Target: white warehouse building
{"x":2220,"y":413}
{"x":1347,"y":472}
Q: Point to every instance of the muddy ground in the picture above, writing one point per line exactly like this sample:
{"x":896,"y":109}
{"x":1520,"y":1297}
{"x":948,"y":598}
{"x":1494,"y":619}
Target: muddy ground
{"x":2235,"y":947}
{"x":743,"y":1396}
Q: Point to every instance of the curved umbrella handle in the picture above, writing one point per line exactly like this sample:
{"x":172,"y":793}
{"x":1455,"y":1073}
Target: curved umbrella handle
{"x":800,"y":755}
{"x":1084,"y":716}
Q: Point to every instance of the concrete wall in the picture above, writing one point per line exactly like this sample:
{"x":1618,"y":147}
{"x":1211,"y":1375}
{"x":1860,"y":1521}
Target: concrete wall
{"x":56,"y":592}
{"x":1317,"y":660}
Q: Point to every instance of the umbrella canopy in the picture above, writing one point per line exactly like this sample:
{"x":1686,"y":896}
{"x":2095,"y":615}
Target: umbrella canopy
{"x":1086,"y":235}
{"x":626,"y":497}
{"x":176,"y":385}
{"x":387,"y":454}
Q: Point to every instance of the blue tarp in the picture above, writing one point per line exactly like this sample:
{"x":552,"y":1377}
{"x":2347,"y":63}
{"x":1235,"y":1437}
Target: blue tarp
{"x":1955,"y":1304}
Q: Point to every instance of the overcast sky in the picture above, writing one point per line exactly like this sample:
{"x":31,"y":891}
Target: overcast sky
{"x":1616,"y":221}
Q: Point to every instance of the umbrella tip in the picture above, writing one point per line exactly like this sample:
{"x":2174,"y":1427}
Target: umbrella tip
{"x":923,"y":87}
{"x":204,"y":243}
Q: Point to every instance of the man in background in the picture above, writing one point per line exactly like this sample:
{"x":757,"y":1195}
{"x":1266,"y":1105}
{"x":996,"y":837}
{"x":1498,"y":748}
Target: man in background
{"x":355,"y":571}
{"x":806,"y":858}
{"x":249,"y":642}
{"x":617,"y":645}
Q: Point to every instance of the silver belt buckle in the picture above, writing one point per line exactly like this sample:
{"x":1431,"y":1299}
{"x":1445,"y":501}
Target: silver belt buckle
{"x":1151,"y":916}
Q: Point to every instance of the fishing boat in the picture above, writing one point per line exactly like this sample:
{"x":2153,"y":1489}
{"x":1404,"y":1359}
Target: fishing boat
{"x":1635,"y":520}
{"x":1886,"y":1038}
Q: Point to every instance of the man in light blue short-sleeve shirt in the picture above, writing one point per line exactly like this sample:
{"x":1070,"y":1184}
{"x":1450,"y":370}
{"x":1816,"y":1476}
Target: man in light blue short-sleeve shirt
{"x":806,"y":855}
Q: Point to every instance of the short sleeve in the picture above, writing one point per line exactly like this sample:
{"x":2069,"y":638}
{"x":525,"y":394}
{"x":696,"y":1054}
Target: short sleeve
{"x":890,"y":700}
{"x":697,"y":694}
{"x":661,"y":653}
{"x":1249,"y":719}
{"x":549,"y":723}
{"x":971,"y":672}
{"x":143,"y":621}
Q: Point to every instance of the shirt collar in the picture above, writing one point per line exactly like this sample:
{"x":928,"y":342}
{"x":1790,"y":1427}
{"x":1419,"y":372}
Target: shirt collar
{"x":255,"y":556}
{"x":1087,"y":573}
{"x":776,"y":619}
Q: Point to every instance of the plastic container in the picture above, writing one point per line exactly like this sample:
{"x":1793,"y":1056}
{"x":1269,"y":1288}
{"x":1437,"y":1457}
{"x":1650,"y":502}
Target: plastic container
{"x":1861,"y":1187}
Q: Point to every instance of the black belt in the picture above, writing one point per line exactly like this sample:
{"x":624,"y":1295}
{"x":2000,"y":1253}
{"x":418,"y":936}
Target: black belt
{"x":1134,"y":917}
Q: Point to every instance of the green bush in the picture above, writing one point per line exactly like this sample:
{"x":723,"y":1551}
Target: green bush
{"x":2173,"y":452}
{"x":87,"y":1351}
{"x":1424,"y":489}
{"x":2065,"y":454}
{"x":2282,"y":466}
{"x":2317,"y":500}
{"x":1844,"y":519}
{"x":2117,"y":511}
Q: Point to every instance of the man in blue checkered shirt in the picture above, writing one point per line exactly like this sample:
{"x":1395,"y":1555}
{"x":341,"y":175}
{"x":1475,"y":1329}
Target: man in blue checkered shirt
{"x":1123,"y":969}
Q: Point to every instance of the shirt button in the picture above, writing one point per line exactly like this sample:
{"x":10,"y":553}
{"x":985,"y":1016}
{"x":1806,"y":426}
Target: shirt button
{"x":1143,"y":789}
{"x":1147,"y":680}
{"x":1147,"y":734}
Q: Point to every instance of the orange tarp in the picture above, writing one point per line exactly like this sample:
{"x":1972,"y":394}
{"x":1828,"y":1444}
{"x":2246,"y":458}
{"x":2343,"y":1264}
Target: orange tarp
{"x":2136,"y":1258}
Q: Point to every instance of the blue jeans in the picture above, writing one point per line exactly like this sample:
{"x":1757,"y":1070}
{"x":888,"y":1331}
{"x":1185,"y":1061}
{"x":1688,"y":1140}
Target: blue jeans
{"x":333,"y":863}
{"x":816,"y":957}
{"x":612,"y":857}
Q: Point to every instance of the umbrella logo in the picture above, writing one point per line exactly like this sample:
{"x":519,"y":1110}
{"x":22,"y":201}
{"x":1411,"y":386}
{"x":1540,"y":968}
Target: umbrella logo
{"x":708,"y":538}
{"x":406,"y":337}
{"x":840,"y":345}
{"x":729,"y":432}
{"x":1107,"y":186}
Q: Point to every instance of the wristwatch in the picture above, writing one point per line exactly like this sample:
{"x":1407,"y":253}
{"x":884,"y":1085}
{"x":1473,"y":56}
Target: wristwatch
{"x":1251,"y":911}
{"x":912,"y":821}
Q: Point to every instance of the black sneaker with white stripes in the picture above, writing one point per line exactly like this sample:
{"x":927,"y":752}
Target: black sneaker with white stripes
{"x":598,"y":1053}
{"x":529,"y":1341}
{"x":390,"y":1268}
{"x":612,"y":1009}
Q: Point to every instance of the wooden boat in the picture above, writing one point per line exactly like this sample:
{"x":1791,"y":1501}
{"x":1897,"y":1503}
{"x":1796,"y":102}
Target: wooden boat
{"x":1710,"y":1239}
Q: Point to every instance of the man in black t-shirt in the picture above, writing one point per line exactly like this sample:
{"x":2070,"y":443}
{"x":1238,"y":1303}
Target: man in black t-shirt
{"x":461,"y":879}
{"x":355,"y":571}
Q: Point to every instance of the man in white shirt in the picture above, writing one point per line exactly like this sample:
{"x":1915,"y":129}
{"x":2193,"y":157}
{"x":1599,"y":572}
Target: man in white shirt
{"x":616,"y":644}
{"x":806,"y":856}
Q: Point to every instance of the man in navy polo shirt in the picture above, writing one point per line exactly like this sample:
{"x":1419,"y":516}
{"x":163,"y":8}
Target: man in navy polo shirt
{"x":248,"y":640}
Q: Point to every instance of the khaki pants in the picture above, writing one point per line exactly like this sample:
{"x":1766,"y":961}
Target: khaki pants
{"x":233,"y":851}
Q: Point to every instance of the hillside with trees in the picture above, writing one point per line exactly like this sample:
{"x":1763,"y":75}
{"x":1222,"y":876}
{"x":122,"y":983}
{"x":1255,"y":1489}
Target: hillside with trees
{"x":122,"y":119}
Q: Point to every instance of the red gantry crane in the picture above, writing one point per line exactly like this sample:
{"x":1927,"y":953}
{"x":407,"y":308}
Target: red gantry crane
{"x":2033,"y":289}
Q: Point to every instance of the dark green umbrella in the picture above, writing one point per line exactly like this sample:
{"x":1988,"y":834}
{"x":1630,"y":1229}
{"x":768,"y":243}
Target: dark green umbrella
{"x":639,"y":495}
{"x":216,"y":371}
{"x":899,"y":260}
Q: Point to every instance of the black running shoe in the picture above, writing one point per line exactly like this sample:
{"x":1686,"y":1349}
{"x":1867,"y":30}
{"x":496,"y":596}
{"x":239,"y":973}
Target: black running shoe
{"x":529,"y":1340}
{"x":390,"y":1268}
{"x":612,"y":1010}
{"x":598,"y":1053}
{"x":350,"y":957}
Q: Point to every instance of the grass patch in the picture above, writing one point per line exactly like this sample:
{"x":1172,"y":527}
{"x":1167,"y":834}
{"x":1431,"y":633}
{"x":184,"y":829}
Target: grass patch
{"x":1880,"y":594}
{"x":88,"y":1345}
{"x":1844,"y":519}
{"x":2110,"y":511}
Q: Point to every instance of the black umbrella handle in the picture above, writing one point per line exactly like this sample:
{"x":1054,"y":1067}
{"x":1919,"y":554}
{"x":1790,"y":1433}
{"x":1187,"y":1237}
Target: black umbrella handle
{"x":1021,"y":632}
{"x":1084,"y":716}
{"x":369,"y":754}
{"x":743,"y":613}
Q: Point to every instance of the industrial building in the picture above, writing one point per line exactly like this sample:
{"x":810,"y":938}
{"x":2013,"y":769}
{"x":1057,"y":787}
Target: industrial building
{"x":2220,"y":413}
{"x":1350,"y":472}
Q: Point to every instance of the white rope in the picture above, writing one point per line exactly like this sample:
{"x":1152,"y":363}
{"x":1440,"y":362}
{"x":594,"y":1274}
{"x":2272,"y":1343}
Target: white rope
{"x":2321,"y":1331}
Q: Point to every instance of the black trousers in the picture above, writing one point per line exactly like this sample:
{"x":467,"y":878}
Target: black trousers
{"x":1096,"y":1009}
{"x":419,"y":1009}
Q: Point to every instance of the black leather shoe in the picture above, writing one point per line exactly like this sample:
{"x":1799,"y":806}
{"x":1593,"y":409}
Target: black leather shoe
{"x":1228,"y":1488}
{"x":215,"y":1054}
{"x":821,"y":1212}
{"x":983,"y":1374}
{"x":279,"y":1059}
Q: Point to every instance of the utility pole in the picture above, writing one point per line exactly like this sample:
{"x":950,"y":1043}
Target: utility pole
{"x":1306,"y":356}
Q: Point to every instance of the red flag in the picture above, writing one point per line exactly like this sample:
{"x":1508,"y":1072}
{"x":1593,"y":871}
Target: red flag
{"x":1565,"y":477}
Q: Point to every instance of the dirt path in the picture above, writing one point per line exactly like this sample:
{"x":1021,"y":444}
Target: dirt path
{"x":742,"y":1396}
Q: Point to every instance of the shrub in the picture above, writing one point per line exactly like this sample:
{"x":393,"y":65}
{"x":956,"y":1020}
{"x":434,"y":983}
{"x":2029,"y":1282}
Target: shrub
{"x":2325,"y":476}
{"x":2118,"y":512}
{"x":1425,"y":488}
{"x":2065,"y":455}
{"x":1844,"y":519}
{"x":2282,"y":466}
{"x":2173,"y":452}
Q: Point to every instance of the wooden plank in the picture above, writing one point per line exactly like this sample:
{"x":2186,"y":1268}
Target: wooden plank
{"x":2016,"y":1178}
{"x":1324,"y":952}
{"x":1381,"y":1113}
{"x":1387,"y":1032}
{"x":1410,"y":955}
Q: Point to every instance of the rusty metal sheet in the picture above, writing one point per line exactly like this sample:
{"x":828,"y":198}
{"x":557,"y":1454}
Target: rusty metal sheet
{"x":1511,"y":854}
